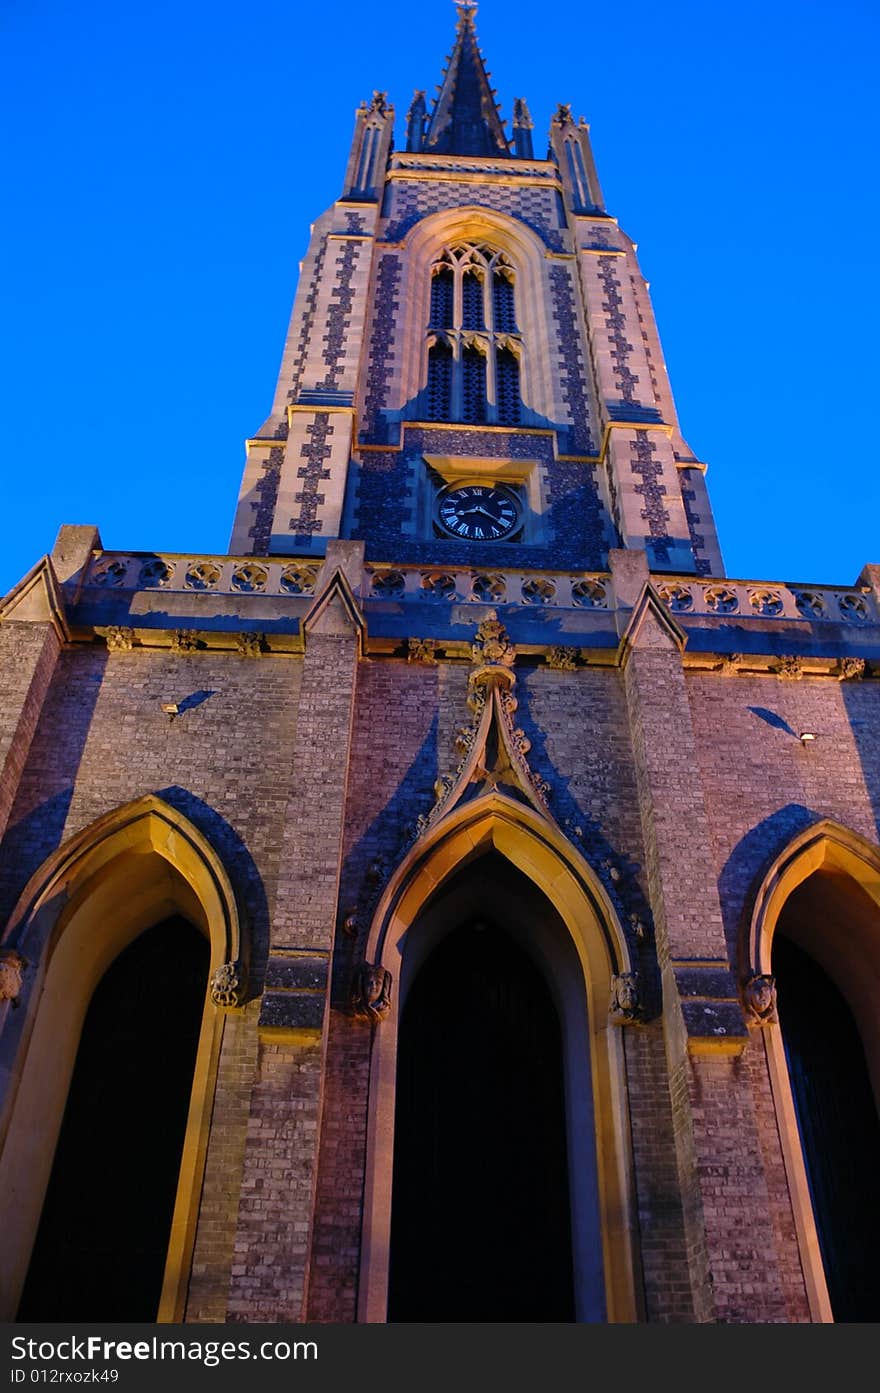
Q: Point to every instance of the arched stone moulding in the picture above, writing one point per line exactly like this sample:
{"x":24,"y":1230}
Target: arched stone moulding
{"x":854,"y":965}
{"x":126,"y":871}
{"x":540,"y":851}
{"x":528,"y":258}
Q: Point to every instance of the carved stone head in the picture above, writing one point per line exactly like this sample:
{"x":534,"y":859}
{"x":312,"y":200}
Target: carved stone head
{"x":11,"y":967}
{"x":371,"y":999}
{"x":626,"y":1004}
{"x":759,"y":995}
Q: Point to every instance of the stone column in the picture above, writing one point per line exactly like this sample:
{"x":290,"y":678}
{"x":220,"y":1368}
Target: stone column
{"x":273,"y":1241}
{"x":724,"y":1191}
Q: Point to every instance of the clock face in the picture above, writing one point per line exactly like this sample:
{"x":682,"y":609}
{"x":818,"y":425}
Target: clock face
{"x":478,"y":512}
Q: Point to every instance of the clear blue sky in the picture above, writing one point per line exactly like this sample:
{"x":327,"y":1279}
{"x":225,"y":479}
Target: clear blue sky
{"x":166,"y":160}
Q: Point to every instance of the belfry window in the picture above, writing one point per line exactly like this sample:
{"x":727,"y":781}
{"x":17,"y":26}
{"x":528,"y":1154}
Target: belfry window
{"x":474,"y":346}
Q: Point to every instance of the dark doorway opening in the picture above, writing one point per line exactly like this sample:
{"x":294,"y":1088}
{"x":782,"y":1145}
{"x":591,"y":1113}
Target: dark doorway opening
{"x":838,"y":1125}
{"x":103,"y":1236}
{"x":481,"y":1227}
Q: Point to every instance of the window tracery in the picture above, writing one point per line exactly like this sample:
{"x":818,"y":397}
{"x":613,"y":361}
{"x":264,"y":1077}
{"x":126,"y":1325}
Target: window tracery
{"x":474,"y":345}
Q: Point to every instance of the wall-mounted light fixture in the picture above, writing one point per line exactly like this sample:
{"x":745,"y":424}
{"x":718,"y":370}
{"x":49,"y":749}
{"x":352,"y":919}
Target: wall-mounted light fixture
{"x":171,"y":709}
{"x":807,"y":737}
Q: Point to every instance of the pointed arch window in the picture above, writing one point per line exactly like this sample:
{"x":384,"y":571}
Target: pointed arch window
{"x":474,"y":348}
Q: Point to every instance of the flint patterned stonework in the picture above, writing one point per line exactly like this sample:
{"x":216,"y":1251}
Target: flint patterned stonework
{"x":562,"y":784}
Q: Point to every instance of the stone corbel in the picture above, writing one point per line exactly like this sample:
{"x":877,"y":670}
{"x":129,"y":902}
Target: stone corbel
{"x":228,"y":985}
{"x":759,"y":999}
{"x":627,"y":1006}
{"x":371,"y":996}
{"x":12,"y":966}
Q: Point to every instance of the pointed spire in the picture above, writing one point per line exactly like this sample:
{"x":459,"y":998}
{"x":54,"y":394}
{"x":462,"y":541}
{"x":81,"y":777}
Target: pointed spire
{"x":465,"y":119}
{"x":416,"y":120}
{"x":523,"y":125}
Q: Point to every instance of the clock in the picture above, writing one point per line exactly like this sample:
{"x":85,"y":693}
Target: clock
{"x":478,"y":512}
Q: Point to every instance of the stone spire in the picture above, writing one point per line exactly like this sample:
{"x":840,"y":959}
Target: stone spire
{"x":465,"y":119}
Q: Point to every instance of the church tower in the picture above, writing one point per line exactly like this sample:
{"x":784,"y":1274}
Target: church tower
{"x":471,"y":317}
{"x":479,"y":885}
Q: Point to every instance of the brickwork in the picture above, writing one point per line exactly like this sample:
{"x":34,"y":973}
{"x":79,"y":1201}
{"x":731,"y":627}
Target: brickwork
{"x":576,"y":523}
{"x":667,"y":1287}
{"x":272,"y":1242}
{"x":336,"y":1246}
{"x":788,"y":1259}
{"x":572,"y":379}
{"x":102,"y":740}
{"x":380,"y":360}
{"x":28,"y":653}
{"x":208,"y":1296}
{"x":308,"y":881}
{"x":744,"y":1278}
{"x":307,"y":768}
{"x":406,"y":204}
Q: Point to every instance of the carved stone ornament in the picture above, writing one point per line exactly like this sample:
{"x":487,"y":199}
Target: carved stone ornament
{"x":227,"y":985}
{"x":117,"y":638}
{"x":561,"y":659}
{"x":730,"y":663}
{"x":11,"y":968}
{"x":249,"y":645}
{"x":371,"y":998}
{"x":182,"y":641}
{"x":790,"y":668}
{"x":850,"y":669}
{"x":422,"y":650}
{"x":759,"y":997}
{"x":492,"y":646}
{"x":626,"y":1003}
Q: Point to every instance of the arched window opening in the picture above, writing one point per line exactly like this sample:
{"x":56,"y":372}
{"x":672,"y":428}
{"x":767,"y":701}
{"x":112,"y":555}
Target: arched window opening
{"x":505,"y":315}
{"x":834,"y":1100}
{"x":481,"y":1226}
{"x":442,"y":298}
{"x":103,"y":1237}
{"x":473,"y":386}
{"x":472,"y":316}
{"x":439,"y":382}
{"x":508,"y":388}
{"x":473,"y":295}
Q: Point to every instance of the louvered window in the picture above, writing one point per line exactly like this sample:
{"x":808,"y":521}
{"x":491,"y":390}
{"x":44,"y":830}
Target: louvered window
{"x":439,"y":382}
{"x":474,"y":351}
{"x":507,"y":370}
{"x":442,"y":298}
{"x":474,"y":394}
{"x":472,"y":316}
{"x":502,"y":292}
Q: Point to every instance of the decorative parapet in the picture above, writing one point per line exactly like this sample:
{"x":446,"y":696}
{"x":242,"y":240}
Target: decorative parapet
{"x":685,"y":596}
{"x":441,"y":587}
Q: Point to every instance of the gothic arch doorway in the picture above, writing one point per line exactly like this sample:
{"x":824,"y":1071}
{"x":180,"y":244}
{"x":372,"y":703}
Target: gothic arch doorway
{"x":121,"y":886}
{"x":816,"y":929}
{"x":498,"y":863}
{"x":481,"y":1215}
{"x":105,"y":1226}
